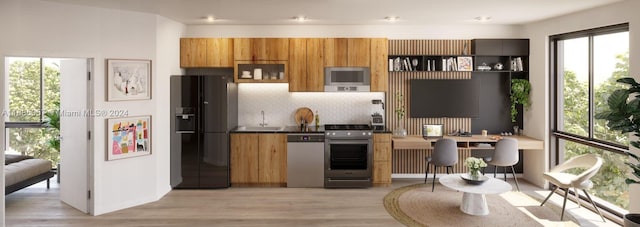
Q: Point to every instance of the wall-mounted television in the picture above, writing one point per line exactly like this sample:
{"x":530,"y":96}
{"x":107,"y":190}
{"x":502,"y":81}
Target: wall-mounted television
{"x":444,"y":98}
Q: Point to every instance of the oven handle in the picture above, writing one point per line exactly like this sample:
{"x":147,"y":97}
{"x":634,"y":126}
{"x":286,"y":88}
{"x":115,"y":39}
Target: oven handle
{"x":348,"y":141}
{"x":351,"y":180}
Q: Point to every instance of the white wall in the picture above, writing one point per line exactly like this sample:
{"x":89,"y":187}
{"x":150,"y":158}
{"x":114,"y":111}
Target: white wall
{"x":389,"y":31}
{"x":45,"y":29}
{"x":167,"y":64}
{"x":538,"y":33}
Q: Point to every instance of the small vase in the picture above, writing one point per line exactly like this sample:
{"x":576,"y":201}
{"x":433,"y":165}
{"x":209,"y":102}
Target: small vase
{"x":474,"y":173}
{"x":399,"y":132}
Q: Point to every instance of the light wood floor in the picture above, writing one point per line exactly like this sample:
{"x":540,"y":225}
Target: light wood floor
{"x":37,"y":206}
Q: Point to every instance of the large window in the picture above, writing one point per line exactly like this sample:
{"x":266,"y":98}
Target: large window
{"x":32,"y":94}
{"x":586,"y":67}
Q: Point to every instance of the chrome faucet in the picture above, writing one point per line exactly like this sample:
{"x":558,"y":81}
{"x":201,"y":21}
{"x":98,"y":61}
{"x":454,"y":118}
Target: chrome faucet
{"x":263,"y":124}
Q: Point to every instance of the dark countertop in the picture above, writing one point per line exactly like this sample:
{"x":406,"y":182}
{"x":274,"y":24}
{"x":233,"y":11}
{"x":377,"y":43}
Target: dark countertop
{"x":287,"y":129}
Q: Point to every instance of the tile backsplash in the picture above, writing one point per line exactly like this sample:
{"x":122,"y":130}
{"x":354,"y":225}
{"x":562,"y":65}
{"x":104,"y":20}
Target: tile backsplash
{"x":279,"y":105}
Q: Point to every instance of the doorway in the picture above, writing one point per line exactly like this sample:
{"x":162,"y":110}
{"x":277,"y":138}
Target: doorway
{"x":39,"y":91}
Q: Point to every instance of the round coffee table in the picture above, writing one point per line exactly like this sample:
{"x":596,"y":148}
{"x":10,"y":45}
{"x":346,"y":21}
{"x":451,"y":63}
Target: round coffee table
{"x":473,"y":200}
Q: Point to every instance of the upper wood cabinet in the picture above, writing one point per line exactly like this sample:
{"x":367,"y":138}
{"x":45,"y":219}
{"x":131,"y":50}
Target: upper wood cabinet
{"x":306,"y":64}
{"x":353,"y":52}
{"x":379,"y":65}
{"x":261,"y":49}
{"x":206,"y":52}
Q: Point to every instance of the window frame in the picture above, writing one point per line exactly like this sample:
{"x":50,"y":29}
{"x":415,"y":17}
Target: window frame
{"x":556,"y":82}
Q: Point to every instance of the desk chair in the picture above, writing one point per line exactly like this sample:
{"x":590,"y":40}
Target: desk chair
{"x":558,"y":177}
{"x":505,"y":154}
{"x":445,"y":153}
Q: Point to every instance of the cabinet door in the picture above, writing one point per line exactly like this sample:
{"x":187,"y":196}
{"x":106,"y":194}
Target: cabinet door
{"x":379,"y":65}
{"x":275,"y":49}
{"x":219,"y":52}
{"x":492,"y":47}
{"x":335,"y":52}
{"x":244,"y":158}
{"x":242,"y":49}
{"x":515,"y":47}
{"x":358,"y":54}
{"x":382,"y":147}
{"x":297,"y":65}
{"x":382,"y":158}
{"x":272,"y":167}
{"x":382,"y":172}
{"x":315,"y":65}
{"x":193,"y":52}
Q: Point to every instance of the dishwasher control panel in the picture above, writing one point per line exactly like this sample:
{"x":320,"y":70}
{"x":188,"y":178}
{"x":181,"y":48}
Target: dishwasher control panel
{"x":305,"y":138}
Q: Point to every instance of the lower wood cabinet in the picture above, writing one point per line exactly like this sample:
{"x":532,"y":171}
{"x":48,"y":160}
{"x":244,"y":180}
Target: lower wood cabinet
{"x":258,"y":158}
{"x":382,"y":159}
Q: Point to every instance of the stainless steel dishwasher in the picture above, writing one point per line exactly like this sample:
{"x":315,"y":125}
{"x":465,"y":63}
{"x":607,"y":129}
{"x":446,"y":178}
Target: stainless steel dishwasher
{"x":305,"y":160}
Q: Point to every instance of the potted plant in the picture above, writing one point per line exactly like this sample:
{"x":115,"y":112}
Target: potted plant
{"x":53,"y":121}
{"x":624,"y":115}
{"x":520,"y":89}
{"x":399,"y":131}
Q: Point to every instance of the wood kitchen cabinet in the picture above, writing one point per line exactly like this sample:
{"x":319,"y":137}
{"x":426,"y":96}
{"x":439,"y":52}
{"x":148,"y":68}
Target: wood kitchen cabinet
{"x":379,"y":65}
{"x":244,"y":158}
{"x":382,"y":159}
{"x":347,"y":52}
{"x":306,"y":64}
{"x":253,"y":49}
{"x":258,"y":159}
{"x":206,"y":52}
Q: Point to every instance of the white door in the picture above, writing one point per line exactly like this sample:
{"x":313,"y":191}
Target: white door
{"x":74,"y":149}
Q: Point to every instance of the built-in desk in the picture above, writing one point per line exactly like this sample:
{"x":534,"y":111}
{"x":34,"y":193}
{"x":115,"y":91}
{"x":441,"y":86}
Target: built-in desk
{"x":408,"y":153}
{"x":471,"y":142}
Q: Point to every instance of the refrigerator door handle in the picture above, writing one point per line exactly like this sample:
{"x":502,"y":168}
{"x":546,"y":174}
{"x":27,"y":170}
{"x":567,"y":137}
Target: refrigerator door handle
{"x":185,"y":132}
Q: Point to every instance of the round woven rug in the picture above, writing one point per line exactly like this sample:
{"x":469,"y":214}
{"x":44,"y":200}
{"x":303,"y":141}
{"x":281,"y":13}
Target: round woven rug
{"x":416,"y":205}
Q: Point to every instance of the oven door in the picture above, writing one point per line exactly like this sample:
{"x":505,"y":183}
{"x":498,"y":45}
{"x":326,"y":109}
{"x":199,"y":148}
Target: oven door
{"x":348,"y":158}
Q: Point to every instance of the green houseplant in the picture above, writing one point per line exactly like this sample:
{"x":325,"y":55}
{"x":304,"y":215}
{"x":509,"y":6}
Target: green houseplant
{"x":520,"y":89}
{"x":53,"y":121}
{"x":623,"y":115}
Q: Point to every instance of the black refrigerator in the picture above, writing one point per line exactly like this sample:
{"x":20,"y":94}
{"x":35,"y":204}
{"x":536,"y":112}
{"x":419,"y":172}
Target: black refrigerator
{"x":203,"y":111}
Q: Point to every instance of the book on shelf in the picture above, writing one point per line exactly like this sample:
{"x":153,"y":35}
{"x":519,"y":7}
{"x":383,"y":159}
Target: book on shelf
{"x":516,"y":64}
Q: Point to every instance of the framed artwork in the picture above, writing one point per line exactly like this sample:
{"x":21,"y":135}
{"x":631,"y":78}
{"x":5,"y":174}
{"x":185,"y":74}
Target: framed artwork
{"x":465,"y":63}
{"x":432,"y":130}
{"x":128,"y":137}
{"x":128,"y":79}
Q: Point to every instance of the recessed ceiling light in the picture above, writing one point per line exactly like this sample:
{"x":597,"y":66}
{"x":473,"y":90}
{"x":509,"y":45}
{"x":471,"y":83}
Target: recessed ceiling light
{"x":300,"y":18}
{"x":482,"y":18}
{"x":210,"y":19}
{"x":392,"y":19}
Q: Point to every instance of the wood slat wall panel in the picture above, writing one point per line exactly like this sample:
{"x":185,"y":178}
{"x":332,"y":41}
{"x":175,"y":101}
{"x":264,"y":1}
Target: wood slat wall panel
{"x":412,"y":161}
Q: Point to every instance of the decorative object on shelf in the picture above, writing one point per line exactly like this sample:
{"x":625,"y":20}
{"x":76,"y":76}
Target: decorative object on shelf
{"x":484,"y":133}
{"x":396,"y":64}
{"x":246,"y":75}
{"x":465,"y":49}
{"x":399,"y":131}
{"x":520,"y":89}
{"x":475,"y":180}
{"x":128,"y":137}
{"x":465,"y":63}
{"x":257,"y":74}
{"x":474,"y":164}
{"x":498,"y":66}
{"x":128,"y":79}
{"x":484,"y":67}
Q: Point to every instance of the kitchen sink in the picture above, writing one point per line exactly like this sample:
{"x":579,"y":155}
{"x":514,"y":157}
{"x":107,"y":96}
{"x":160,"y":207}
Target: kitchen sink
{"x":261,"y":129}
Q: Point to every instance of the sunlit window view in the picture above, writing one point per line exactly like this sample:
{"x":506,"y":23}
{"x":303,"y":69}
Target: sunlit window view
{"x":33,"y":99}
{"x":588,"y":68}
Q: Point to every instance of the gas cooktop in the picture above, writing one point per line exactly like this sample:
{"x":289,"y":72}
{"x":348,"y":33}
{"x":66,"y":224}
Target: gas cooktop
{"x":340,"y":127}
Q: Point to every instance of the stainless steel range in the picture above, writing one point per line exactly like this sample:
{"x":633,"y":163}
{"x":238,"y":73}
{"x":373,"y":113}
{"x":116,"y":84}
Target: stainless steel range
{"x":348,"y":154}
